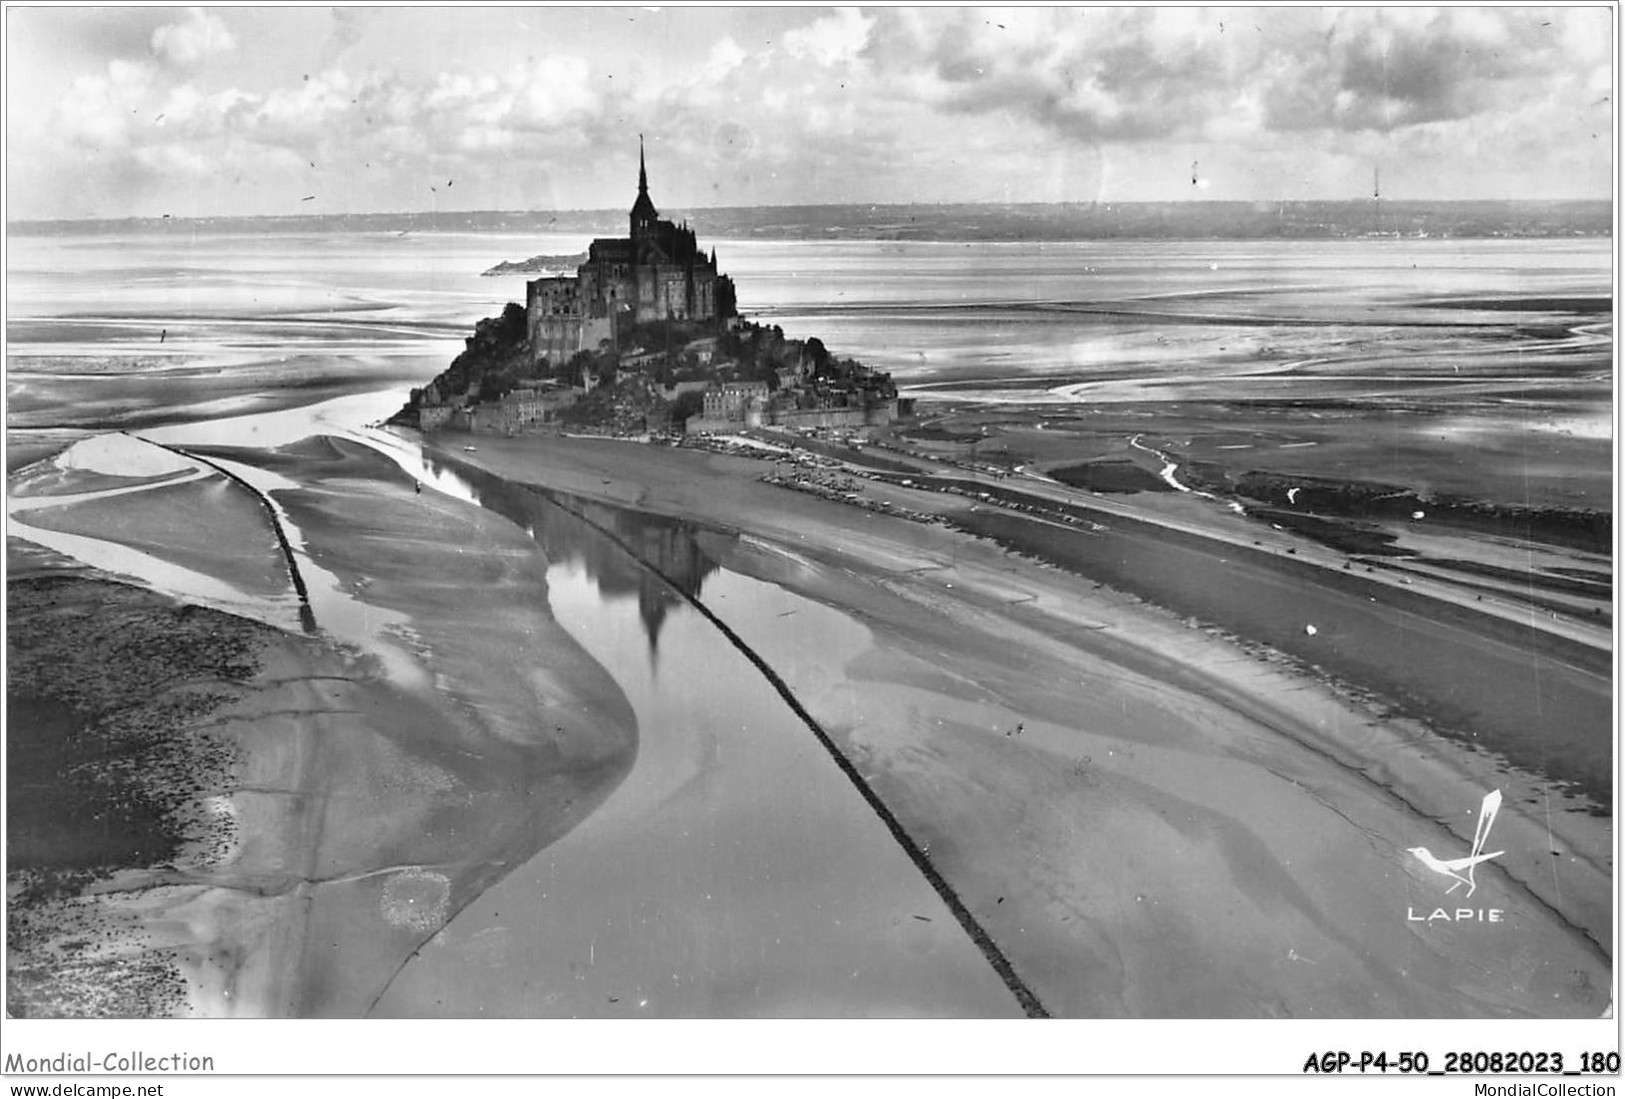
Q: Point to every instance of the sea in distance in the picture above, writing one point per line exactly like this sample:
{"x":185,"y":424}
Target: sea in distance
{"x":1478,"y":366}
{"x":124,"y":329}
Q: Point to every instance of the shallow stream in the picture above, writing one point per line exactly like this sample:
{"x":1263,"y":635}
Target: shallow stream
{"x":736,"y":871}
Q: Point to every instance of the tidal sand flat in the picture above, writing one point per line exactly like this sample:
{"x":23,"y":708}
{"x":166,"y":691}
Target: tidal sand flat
{"x":1151,"y":660}
{"x":361,"y":800}
{"x":734,"y":872}
{"x":120,"y":759}
{"x":137,"y":330}
{"x":1126,"y":802}
{"x":513,"y":734}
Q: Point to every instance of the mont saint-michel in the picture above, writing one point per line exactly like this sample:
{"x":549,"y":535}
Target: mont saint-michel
{"x":652,"y":325}
{"x":522,"y":573}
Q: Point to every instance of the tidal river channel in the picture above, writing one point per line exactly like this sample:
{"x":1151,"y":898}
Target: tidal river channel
{"x":735,"y":872}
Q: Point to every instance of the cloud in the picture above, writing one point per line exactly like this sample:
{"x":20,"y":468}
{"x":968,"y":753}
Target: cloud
{"x":833,"y":39}
{"x":200,"y":36}
{"x":1382,"y":70}
{"x":101,"y":111}
{"x":725,"y":57}
{"x":828,"y":105}
{"x":1161,"y":74}
{"x":380,"y":132}
{"x":1097,"y":75}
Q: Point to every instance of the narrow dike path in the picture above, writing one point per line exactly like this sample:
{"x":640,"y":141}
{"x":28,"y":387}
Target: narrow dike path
{"x":307,"y":617}
{"x":996,"y":957}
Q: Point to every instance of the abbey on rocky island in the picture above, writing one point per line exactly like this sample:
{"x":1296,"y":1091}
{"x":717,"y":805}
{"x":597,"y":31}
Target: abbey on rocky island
{"x":644,"y":335}
{"x":656,"y":273}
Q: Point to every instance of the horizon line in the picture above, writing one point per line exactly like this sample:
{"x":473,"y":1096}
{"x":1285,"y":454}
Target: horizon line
{"x":616,"y":211}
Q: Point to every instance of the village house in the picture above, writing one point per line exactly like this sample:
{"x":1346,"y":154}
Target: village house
{"x":731,"y":400}
{"x":530,"y":405}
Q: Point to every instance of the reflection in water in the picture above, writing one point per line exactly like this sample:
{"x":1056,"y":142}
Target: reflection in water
{"x":667,"y":544}
{"x":734,"y":872}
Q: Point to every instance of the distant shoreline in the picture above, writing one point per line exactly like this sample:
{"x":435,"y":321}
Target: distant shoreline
{"x":1349,"y":219}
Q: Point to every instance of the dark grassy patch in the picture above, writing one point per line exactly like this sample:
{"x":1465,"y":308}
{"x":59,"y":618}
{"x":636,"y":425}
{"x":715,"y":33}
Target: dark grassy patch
{"x":104,"y":686}
{"x":107,"y":766}
{"x":937,"y":434}
{"x":58,"y":815}
{"x":1341,"y":535}
{"x":1526,"y":305}
{"x":1592,"y":531}
{"x":1114,"y":475}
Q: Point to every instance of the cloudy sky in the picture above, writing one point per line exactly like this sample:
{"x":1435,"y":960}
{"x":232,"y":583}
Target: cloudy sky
{"x":192,"y":111}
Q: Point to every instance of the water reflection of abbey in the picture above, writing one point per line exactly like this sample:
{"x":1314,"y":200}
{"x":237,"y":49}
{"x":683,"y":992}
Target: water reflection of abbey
{"x":667,"y":544}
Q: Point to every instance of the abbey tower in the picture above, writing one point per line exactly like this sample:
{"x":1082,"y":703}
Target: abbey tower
{"x":655,"y":272}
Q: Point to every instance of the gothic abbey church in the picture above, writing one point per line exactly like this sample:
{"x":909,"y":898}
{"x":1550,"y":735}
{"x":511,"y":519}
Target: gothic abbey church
{"x":656,"y":273}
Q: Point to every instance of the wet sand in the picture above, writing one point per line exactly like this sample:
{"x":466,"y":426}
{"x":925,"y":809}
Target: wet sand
{"x":1182,"y":825}
{"x":242,"y":548}
{"x":511,"y":736}
{"x":114,"y":752}
{"x":359,"y":811}
{"x":1149,"y":818}
{"x":734,"y":874}
{"x":1153,"y":817}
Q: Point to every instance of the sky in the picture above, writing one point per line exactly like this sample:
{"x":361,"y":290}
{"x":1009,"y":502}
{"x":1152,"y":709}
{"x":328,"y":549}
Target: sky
{"x":143,"y":111}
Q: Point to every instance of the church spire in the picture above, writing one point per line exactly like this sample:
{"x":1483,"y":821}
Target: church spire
{"x":644,"y":213}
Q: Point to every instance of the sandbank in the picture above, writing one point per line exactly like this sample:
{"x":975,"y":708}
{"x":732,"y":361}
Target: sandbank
{"x":1185,"y":824}
{"x":354,"y":812}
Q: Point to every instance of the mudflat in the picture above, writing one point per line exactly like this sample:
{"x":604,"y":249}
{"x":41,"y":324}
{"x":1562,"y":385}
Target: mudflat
{"x":346,"y":804}
{"x":1133,"y":804}
{"x":1171,"y":759}
{"x":1147,"y":816}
